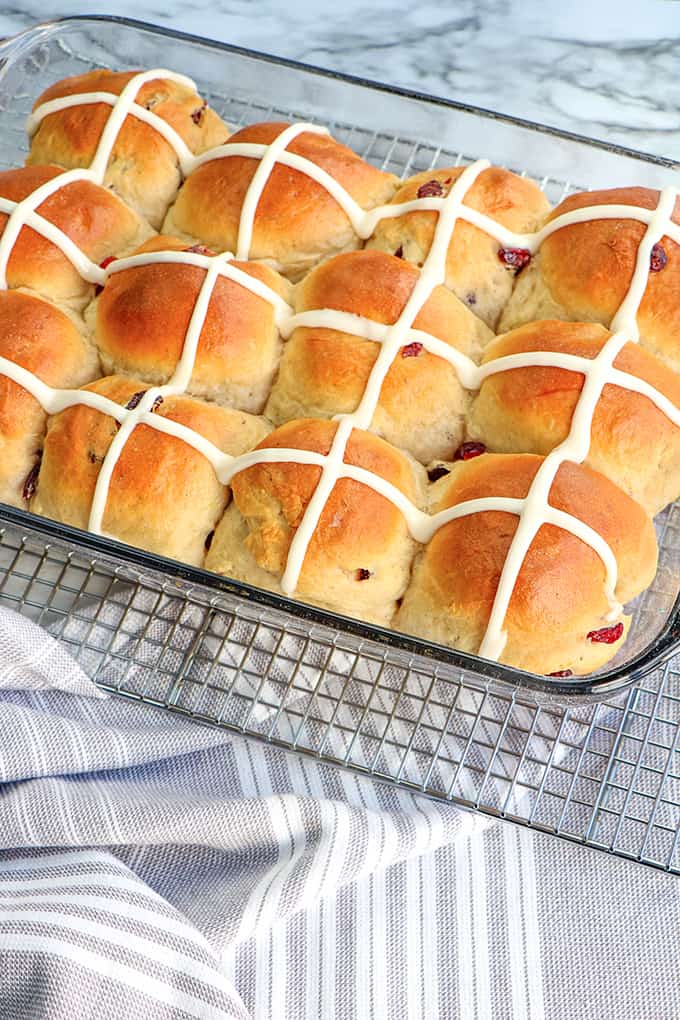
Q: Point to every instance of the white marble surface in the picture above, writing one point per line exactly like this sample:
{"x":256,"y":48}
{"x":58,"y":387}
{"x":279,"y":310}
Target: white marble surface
{"x":605,"y":69}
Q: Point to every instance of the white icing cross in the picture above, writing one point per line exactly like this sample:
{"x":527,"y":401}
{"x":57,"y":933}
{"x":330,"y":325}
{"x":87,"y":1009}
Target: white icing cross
{"x":533,"y":511}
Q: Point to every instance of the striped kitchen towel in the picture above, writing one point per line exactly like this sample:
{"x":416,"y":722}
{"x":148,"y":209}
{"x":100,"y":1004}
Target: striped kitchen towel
{"x":151,"y":868}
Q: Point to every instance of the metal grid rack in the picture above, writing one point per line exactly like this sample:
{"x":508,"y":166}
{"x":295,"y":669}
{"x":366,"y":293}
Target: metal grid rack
{"x":606,"y":775}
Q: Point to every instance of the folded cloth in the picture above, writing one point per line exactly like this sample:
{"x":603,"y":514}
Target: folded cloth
{"x":32,"y":660}
{"x":152,"y":867}
{"x":81,"y":936}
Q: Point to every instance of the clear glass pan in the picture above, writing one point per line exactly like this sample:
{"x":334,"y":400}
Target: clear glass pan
{"x":403,"y":132}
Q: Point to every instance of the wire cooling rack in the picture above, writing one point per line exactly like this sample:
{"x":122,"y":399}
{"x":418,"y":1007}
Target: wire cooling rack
{"x":606,"y":775}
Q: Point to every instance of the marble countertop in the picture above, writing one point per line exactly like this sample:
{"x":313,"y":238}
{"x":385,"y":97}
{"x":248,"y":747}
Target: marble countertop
{"x":608,"y":70}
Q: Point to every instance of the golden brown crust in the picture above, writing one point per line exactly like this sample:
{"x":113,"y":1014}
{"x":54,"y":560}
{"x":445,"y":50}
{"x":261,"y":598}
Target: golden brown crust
{"x":144,"y":169}
{"x":473,"y":269}
{"x":324,"y":372}
{"x":297,"y":221}
{"x":530,"y":409}
{"x":98,"y":222}
{"x":142,"y":315}
{"x":559,"y":596}
{"x":164,"y":495}
{"x":583,"y":272}
{"x":359,"y":529}
{"x":38,"y":337}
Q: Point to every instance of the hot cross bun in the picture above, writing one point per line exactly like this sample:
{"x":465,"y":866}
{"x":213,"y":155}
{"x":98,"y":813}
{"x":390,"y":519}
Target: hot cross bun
{"x":91,"y":219}
{"x":144,"y":168}
{"x":296,"y":221}
{"x":141,"y":317}
{"x":164,"y":495}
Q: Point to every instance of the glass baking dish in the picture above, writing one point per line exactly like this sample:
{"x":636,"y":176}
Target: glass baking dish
{"x":403,"y":132}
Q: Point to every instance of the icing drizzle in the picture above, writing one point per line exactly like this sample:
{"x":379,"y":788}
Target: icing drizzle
{"x":533,"y":511}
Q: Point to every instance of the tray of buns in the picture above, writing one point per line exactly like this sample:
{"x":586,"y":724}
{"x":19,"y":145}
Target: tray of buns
{"x":312,"y":346}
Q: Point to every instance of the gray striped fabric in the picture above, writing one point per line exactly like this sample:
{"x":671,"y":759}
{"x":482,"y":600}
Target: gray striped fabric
{"x":150,"y":867}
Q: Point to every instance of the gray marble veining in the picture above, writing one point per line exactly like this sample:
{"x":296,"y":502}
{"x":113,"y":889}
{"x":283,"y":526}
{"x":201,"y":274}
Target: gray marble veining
{"x":609,"y":70}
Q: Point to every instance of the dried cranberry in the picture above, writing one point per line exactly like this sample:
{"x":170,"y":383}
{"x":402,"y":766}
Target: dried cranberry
{"x":197,"y":115}
{"x":515,"y":258}
{"x":31,"y":483}
{"x":412,"y":350}
{"x":431,"y":189}
{"x":435,"y":473}
{"x":606,"y":635}
{"x":199,"y":249}
{"x":134,"y":400}
{"x":363,"y":574}
{"x":658,"y":258}
{"x":209,"y":539}
{"x":562,"y":672}
{"x":466,"y":451}
{"x":104,"y":265}
{"x":399,"y":253}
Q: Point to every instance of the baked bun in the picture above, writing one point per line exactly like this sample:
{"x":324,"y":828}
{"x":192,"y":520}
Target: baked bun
{"x":530,"y":409}
{"x":583,"y":272}
{"x":474,"y":269}
{"x":43,"y":340}
{"x":325,"y":371}
{"x":144,"y":168}
{"x":164,"y":495}
{"x":141,"y":317}
{"x":98,"y":222}
{"x":559,"y":597}
{"x":297,"y":222}
{"x":359,"y":556}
